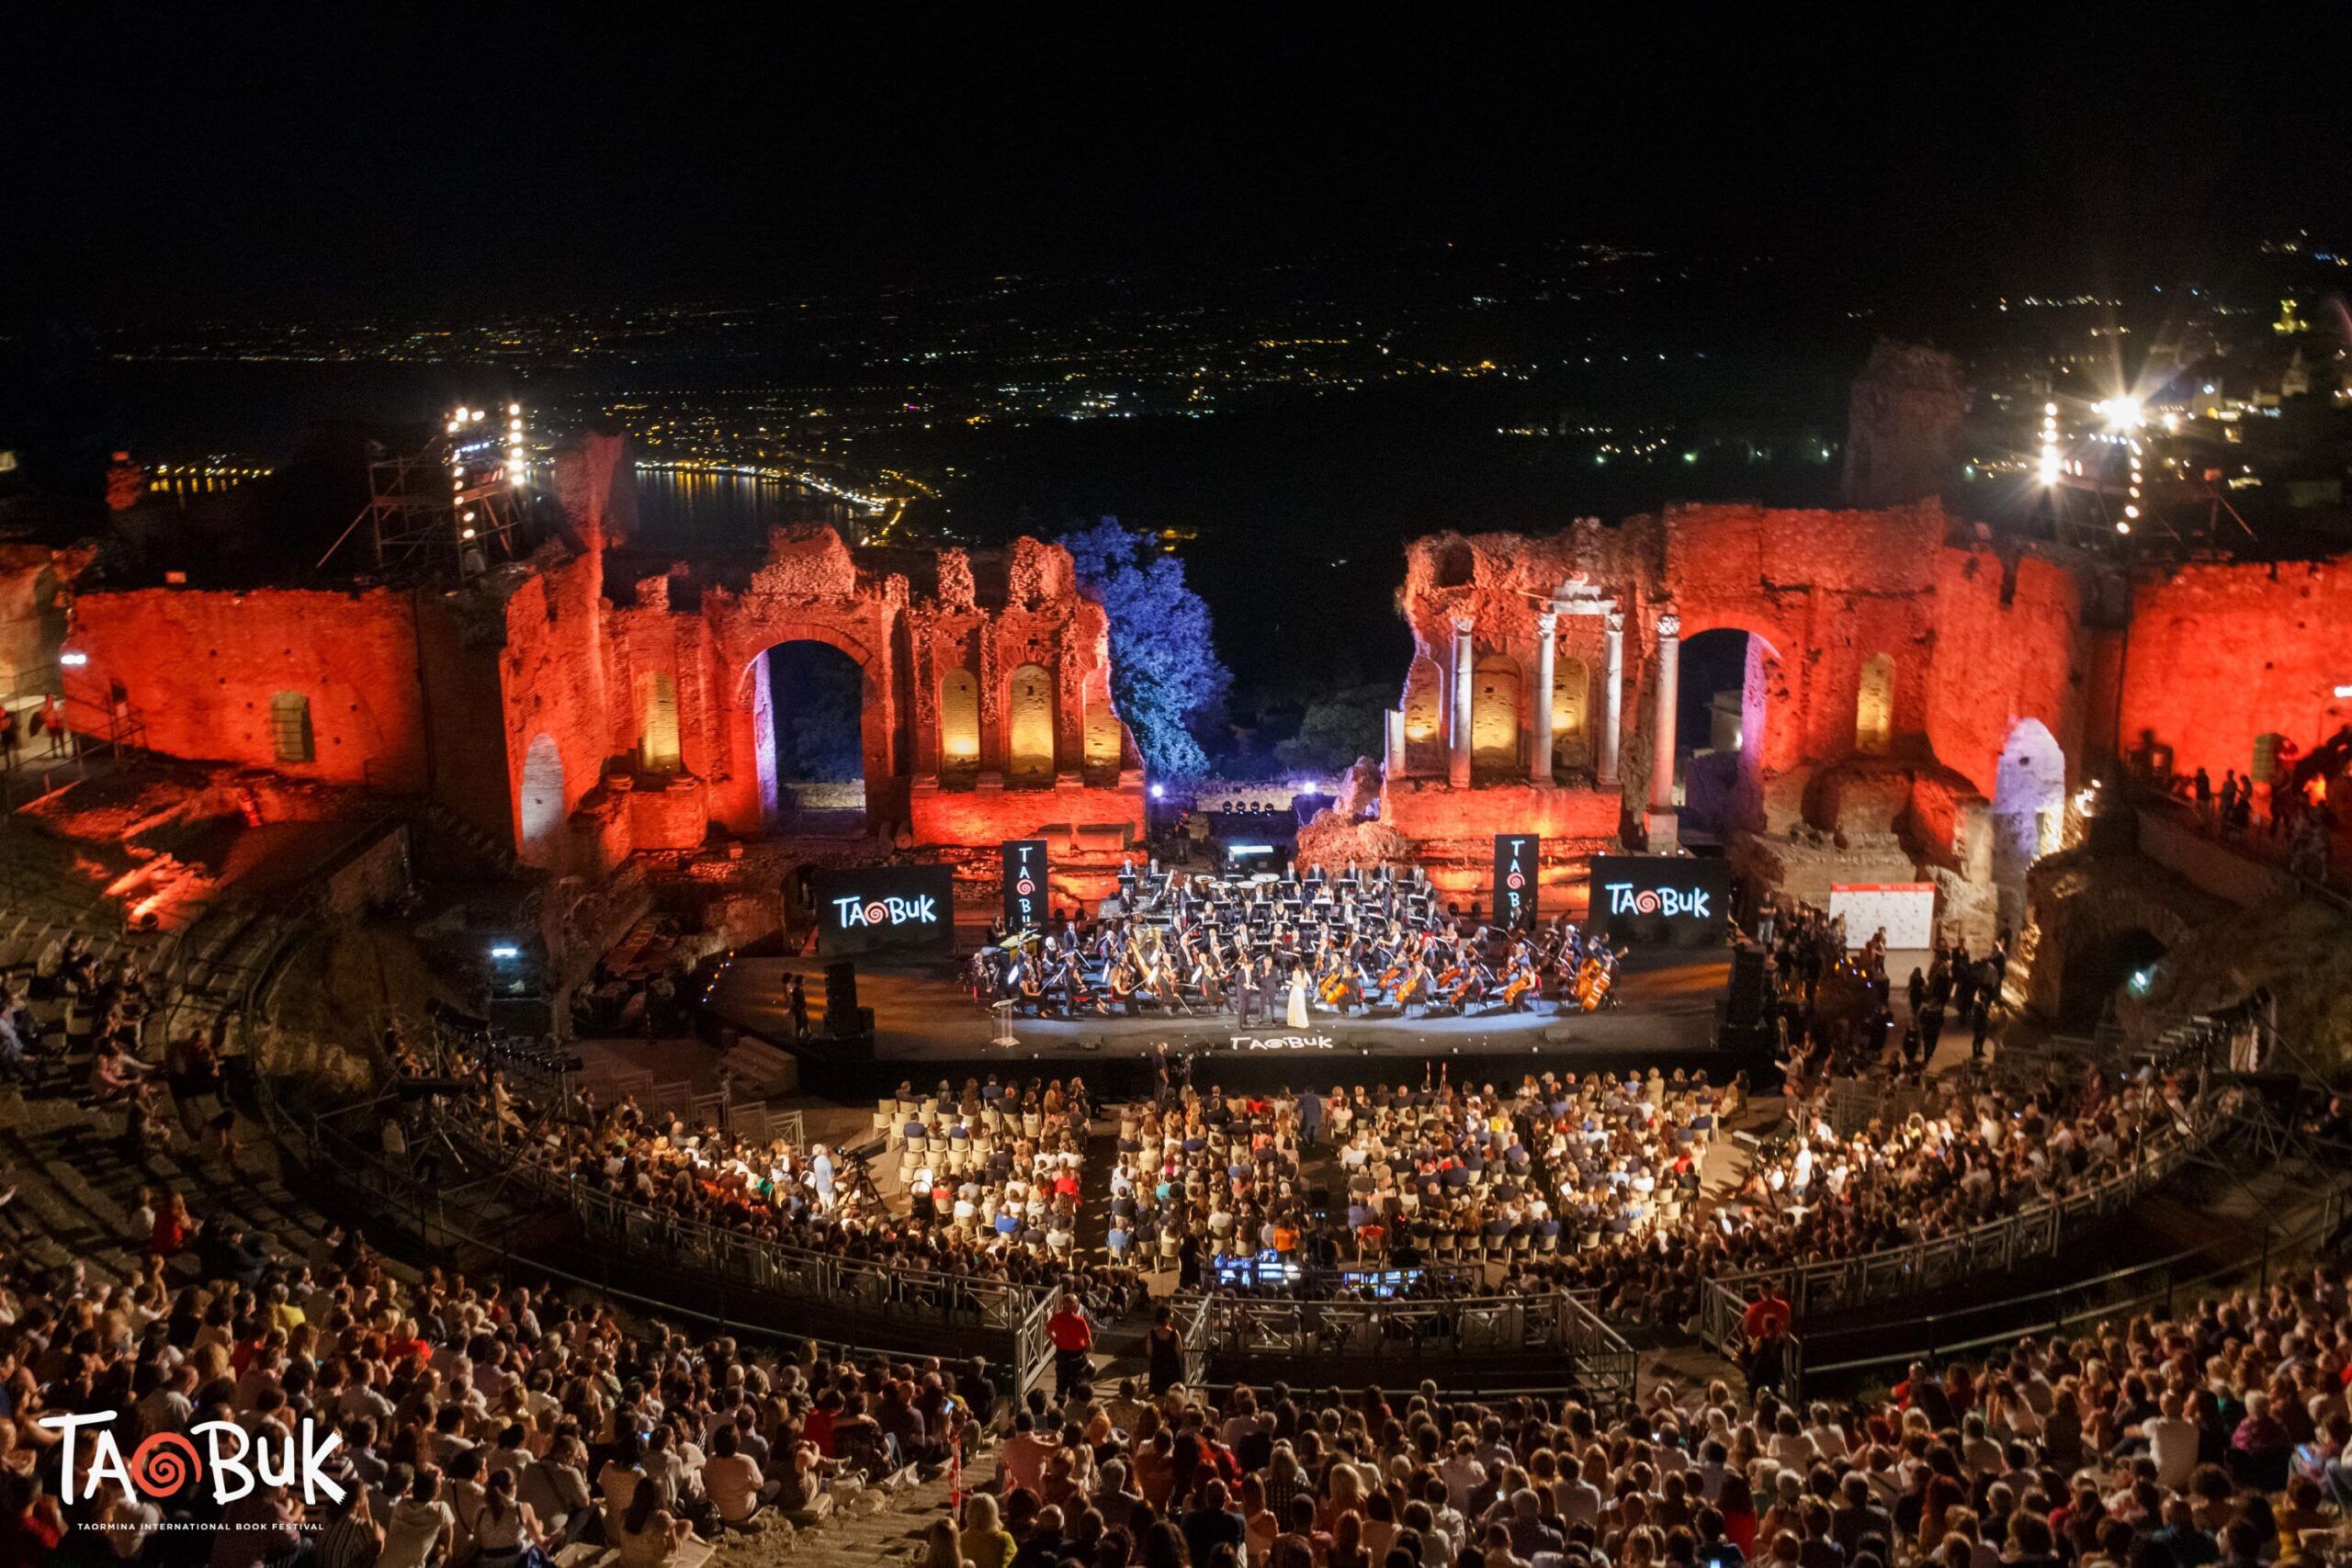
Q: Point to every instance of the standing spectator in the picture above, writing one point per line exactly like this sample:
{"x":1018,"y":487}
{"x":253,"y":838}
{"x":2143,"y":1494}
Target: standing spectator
{"x":1073,"y":1337}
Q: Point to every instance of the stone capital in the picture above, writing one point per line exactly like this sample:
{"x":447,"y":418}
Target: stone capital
{"x":1670,"y":625}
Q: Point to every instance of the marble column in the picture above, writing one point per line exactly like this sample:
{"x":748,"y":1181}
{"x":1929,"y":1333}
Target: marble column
{"x":1612,"y":696}
{"x":1464,"y":678}
{"x":1670,"y":668}
{"x":1539,"y":764}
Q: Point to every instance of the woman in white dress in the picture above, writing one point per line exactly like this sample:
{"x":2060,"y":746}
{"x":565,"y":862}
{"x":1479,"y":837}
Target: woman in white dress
{"x":1297,"y":1017}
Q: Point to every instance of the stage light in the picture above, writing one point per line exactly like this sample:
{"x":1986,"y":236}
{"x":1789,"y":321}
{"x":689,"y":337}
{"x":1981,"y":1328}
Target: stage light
{"x":2047,"y":470}
{"x":73,"y":661}
{"x":1159,"y":792}
{"x":2122,"y":527}
{"x":505,"y":952}
{"x":2123,"y":413}
{"x":514,"y":408}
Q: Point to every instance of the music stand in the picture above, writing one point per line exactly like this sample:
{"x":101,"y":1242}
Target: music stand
{"x":1003,"y":1035}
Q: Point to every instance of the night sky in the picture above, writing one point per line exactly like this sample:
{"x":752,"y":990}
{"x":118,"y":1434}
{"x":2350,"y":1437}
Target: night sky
{"x":202,"y":163}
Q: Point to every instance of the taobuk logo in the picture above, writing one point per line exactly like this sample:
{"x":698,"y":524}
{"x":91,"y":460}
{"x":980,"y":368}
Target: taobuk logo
{"x":167,"y":1464}
{"x":859,"y":910}
{"x":1689,"y":902}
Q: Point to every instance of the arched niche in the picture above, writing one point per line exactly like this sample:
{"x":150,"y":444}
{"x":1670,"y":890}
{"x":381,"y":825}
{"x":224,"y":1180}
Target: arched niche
{"x":289,"y":727}
{"x":1874,"y":705}
{"x":1494,"y":716}
{"x":959,"y":722}
{"x":1102,"y":729}
{"x":656,"y":722}
{"x":1571,"y":713}
{"x":1029,"y":723}
{"x":540,"y":805}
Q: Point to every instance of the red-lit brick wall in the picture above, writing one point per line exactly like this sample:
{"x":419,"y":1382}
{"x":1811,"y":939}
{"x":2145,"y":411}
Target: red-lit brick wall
{"x":1998,"y":663}
{"x":199,"y":670}
{"x":2219,"y":654}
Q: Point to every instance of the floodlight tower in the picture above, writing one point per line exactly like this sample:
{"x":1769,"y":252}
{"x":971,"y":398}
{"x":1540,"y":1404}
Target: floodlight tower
{"x":464,"y":499}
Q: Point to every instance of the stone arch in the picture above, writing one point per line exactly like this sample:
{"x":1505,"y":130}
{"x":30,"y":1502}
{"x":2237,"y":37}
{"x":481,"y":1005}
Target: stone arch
{"x":2096,"y":919}
{"x":1571,"y":712}
{"x":1874,"y":705}
{"x":2029,"y":811}
{"x":1494,"y":717}
{"x":815,"y":752}
{"x":658,"y":750}
{"x":540,"y":808}
{"x":752,"y":722}
{"x":959,"y":722}
{"x":1029,"y":726}
{"x":1734,"y":723}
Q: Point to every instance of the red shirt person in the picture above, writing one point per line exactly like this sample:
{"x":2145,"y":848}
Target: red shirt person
{"x":1073,"y":1337}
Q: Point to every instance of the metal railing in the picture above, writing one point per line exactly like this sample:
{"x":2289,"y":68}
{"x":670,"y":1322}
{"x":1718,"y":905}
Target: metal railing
{"x":873,"y":1290}
{"x":309,"y":1143}
{"x":1554,"y":1324}
{"x":1196,"y":1342}
{"x":2122,"y":1292}
{"x":1033,"y":1349}
{"x":1833,"y":1284}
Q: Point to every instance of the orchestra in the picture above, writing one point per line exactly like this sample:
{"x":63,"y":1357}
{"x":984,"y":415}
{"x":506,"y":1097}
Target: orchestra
{"x":1375,"y":944}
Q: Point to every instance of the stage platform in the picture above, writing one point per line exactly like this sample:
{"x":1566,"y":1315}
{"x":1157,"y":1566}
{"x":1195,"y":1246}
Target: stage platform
{"x":925,"y":1016}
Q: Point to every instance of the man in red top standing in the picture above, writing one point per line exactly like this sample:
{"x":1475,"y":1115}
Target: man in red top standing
{"x":1073,"y":1337}
{"x":1768,"y":1312}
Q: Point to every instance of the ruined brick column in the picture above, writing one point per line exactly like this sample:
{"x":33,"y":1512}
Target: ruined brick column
{"x":1465,"y":683}
{"x":1612,"y":694}
{"x":1661,"y":821}
{"x":1539,"y":764}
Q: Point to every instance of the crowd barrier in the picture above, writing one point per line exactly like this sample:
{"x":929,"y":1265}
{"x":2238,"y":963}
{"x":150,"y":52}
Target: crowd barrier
{"x":1554,"y":1325}
{"x":1994,"y":1246}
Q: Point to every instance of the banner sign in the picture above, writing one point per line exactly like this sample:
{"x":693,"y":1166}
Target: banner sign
{"x":1661,"y":900}
{"x":1515,"y":865}
{"x":1024,"y":885}
{"x":893,"y":909}
{"x":1906,"y":909}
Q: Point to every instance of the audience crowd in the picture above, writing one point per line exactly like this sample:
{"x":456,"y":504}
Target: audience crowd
{"x":2215,"y":1440}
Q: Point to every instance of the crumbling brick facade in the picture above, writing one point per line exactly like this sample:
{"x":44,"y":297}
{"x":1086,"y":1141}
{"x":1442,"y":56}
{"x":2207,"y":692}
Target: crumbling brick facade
{"x":1892,"y":657}
{"x":528,"y":702}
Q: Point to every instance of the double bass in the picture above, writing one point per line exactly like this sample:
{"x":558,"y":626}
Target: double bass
{"x":1594,"y":980}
